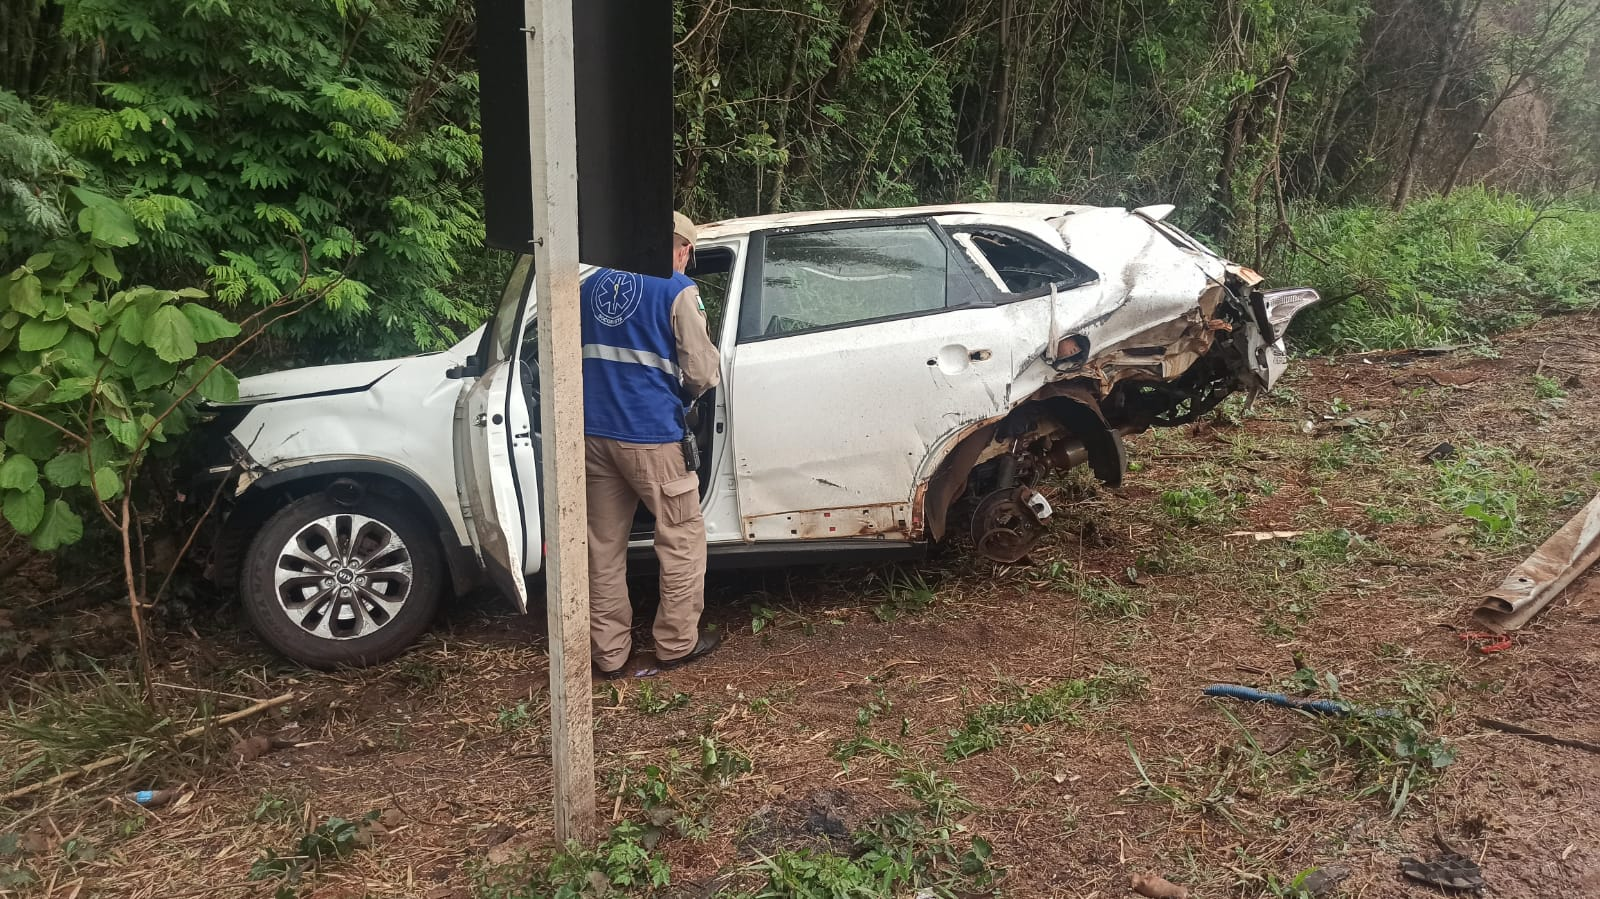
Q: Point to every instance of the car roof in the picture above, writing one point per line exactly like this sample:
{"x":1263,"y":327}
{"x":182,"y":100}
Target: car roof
{"x":741,"y":226}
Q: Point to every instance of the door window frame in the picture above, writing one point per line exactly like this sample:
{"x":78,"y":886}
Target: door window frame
{"x":1083,"y":274}
{"x":962,"y":278}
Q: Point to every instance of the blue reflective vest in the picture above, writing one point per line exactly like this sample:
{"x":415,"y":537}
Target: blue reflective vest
{"x":630,"y":357}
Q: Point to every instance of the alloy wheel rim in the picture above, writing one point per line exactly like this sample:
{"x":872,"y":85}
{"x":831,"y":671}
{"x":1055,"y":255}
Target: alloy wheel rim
{"x":343,"y":576}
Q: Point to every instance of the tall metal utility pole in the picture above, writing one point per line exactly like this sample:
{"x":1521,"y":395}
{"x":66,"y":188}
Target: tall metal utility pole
{"x":553,"y":137}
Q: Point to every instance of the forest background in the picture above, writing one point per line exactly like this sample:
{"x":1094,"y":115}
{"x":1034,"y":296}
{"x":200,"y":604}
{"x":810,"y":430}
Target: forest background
{"x":1430,"y":165}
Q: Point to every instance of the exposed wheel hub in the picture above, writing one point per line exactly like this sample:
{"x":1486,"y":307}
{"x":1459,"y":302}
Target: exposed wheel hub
{"x":1004,"y":529}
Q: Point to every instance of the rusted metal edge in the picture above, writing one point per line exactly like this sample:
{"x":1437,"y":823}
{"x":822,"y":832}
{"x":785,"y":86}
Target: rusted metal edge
{"x":1543,"y":575}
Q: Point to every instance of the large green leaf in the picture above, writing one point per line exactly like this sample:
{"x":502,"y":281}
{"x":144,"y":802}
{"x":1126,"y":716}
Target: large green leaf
{"x":208,"y":325}
{"x":107,"y":485}
{"x":169,"y":333}
{"x":26,"y":388}
{"x":104,"y":219}
{"x":32,"y":437}
{"x":41,"y":335}
{"x":25,"y":295}
{"x":68,"y":469}
{"x":220,"y":386}
{"x":59,"y":527}
{"x":83,"y":318}
{"x":18,"y":472}
{"x":112,"y":396}
{"x":126,"y":431}
{"x":149,"y":370}
{"x":123,"y":353}
{"x":79,"y":348}
{"x":70,"y":389}
{"x":130,"y":325}
{"x":25,"y":508}
{"x":106,"y":267}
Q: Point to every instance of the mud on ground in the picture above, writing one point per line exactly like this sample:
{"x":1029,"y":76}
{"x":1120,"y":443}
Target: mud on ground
{"x":857,"y":675}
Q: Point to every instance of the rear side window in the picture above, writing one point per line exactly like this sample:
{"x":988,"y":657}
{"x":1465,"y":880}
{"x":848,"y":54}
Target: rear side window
{"x":826,"y":279}
{"x":1019,"y":267}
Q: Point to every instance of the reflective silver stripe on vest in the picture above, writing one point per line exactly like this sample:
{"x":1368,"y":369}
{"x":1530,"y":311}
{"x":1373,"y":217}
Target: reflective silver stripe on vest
{"x":639,"y":357}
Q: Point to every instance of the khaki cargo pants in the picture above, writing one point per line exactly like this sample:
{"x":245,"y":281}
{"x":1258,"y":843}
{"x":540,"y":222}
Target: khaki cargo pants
{"x":620,"y":476}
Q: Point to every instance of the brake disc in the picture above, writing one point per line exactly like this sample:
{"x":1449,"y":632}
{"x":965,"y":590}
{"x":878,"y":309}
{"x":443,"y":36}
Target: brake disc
{"x":1004,"y":529}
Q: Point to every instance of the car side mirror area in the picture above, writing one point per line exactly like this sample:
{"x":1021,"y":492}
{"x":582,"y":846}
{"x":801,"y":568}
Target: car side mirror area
{"x":470,"y":369}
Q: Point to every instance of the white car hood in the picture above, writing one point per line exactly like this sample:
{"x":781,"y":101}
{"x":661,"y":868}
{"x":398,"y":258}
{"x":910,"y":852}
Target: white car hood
{"x":323,"y":379}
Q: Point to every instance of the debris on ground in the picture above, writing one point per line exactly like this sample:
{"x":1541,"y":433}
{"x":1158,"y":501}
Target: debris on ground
{"x":1154,"y":886}
{"x":1264,"y":536}
{"x":156,"y":798}
{"x":823,"y":821}
{"x":1487,"y":643}
{"x":1324,"y":881}
{"x":249,"y":749}
{"x":1538,"y":736}
{"x":1450,"y":871}
{"x":1251,"y":694}
{"x":1441,"y":453}
{"x":1552,"y":567}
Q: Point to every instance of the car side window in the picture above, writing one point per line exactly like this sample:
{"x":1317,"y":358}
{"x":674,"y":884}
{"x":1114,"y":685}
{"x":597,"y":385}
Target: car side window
{"x":812,"y":280}
{"x":1017,"y":266}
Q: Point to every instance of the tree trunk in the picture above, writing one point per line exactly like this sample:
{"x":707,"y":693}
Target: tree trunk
{"x":858,"y":19}
{"x":1455,"y":38}
{"x":1000,"y":122}
{"x":781,"y":135}
{"x":1050,"y":84}
{"x":1532,"y":69}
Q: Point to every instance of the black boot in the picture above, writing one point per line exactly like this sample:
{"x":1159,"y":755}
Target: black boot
{"x":704,"y":647}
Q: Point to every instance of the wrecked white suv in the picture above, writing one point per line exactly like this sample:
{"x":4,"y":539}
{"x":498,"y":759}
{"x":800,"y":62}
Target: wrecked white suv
{"x":890,"y":378}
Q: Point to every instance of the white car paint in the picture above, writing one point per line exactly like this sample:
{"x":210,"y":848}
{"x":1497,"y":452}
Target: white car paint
{"x":819,"y":434}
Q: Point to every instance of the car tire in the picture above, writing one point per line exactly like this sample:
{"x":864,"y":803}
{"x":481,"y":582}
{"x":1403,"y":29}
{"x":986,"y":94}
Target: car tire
{"x":333,"y":585}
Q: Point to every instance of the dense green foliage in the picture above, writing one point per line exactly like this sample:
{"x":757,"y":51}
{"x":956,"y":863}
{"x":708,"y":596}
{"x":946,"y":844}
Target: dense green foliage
{"x":1444,"y":270}
{"x":95,"y":376}
{"x":283,"y":148}
{"x":327,"y":150}
{"x":330,"y":146}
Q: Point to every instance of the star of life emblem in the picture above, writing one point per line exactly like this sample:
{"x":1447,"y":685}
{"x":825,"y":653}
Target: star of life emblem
{"x":617,"y":297}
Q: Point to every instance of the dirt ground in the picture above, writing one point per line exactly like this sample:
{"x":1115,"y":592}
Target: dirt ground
{"x":1159,"y":583}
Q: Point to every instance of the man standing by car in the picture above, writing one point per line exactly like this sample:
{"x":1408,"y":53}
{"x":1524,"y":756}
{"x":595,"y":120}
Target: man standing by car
{"x":645,"y":353}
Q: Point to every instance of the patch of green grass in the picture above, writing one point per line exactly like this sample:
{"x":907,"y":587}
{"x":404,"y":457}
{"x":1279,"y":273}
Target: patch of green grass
{"x":648,"y":701}
{"x":905,"y":594}
{"x":1103,"y":596}
{"x":988,"y":726}
{"x":1547,"y":388}
{"x":863,"y":742}
{"x":623,"y":864}
{"x":73,"y":718}
{"x":513,"y":718}
{"x":918,"y":851}
{"x":1442,"y":270}
{"x":1195,"y":506}
{"x":1384,"y":514}
{"x":1491,"y":488}
{"x":1386,"y":749}
{"x":276,"y":808}
{"x":333,"y":840}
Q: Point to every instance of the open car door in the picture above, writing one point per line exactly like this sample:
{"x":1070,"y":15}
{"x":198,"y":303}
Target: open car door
{"x":496,"y":465}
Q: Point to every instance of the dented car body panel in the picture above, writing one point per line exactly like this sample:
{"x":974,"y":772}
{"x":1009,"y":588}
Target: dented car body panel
{"x":890,"y":377}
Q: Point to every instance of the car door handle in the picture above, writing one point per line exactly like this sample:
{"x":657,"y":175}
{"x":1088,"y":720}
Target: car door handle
{"x":980,"y":355}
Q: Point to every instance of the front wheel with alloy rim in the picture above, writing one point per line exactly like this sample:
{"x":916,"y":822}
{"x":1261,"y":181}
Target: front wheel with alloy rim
{"x":330,"y":584}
